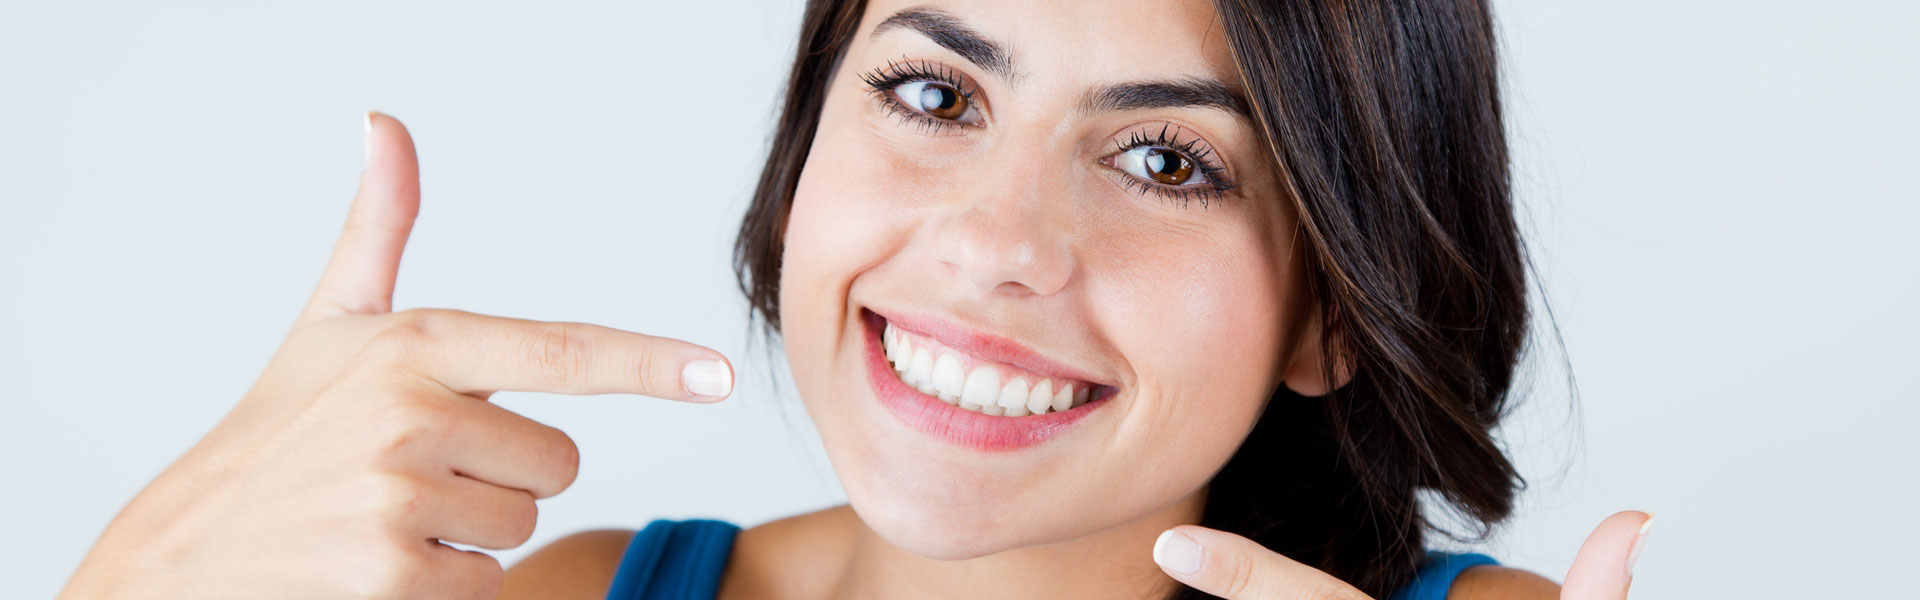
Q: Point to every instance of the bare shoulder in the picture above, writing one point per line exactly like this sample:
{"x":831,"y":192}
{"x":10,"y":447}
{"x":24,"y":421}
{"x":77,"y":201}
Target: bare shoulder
{"x":577,"y":566}
{"x":1493,"y":582}
{"x":795,"y":557}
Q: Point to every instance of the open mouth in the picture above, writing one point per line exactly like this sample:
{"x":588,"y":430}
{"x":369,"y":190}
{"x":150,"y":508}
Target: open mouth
{"x":981,"y":392}
{"x":976,"y":384}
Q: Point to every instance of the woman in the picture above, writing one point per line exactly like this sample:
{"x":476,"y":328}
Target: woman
{"x":1086,"y":300}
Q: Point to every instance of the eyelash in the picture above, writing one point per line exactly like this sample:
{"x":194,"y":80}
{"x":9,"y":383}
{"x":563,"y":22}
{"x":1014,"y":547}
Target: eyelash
{"x":1202,"y":155}
{"x":882,"y":81}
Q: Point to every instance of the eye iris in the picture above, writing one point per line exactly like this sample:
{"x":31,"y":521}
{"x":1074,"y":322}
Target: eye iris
{"x":1168,"y":167}
{"x":942,"y":101}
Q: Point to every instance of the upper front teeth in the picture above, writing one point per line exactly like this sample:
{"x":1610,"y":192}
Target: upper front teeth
{"x":983,"y":390}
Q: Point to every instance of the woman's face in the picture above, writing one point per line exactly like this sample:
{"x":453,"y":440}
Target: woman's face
{"x":1004,"y":196}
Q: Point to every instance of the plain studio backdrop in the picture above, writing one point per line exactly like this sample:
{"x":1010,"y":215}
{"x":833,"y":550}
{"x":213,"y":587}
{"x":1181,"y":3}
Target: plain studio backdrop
{"x":1718,"y":195}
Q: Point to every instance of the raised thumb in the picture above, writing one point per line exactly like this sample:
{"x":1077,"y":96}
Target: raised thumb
{"x":360,"y":276}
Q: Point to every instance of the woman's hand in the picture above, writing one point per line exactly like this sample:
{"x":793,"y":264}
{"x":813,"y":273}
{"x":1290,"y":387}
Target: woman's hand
{"x":1234,"y":567}
{"x":368,"y":440}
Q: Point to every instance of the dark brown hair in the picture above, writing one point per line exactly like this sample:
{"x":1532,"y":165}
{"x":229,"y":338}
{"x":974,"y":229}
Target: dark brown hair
{"x":1384,"y":120}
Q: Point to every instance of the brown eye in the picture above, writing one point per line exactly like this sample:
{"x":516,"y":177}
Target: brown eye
{"x":937,"y":100}
{"x":942,"y":101}
{"x":1158,"y":164}
{"x":1167,"y":166}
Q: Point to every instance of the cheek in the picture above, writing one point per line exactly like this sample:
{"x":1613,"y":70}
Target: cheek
{"x":853,"y":207}
{"x":1198,"y":316}
{"x":846,"y":217}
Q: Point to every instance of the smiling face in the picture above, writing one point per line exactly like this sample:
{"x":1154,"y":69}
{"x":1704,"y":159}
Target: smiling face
{"x":1021,"y":195}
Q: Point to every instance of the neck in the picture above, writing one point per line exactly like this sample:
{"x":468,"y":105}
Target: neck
{"x":1113,"y":563}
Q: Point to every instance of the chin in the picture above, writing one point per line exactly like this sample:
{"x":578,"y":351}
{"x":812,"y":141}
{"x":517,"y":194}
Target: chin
{"x":931,"y":535}
{"x":954,"y":530}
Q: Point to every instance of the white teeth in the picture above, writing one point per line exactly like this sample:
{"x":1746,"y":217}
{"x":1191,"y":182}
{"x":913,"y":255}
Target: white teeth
{"x":982,"y":390}
{"x":947,"y":377}
{"x":920,"y":371}
{"x":1040,"y":398}
{"x":1015,"y":394}
{"x":901,"y":353}
{"x":892,"y":340}
{"x":981,"y":386}
{"x":1013,"y":398}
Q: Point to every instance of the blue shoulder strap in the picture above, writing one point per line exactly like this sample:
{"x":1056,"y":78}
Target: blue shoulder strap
{"x":1437,"y":575}
{"x":674,"y":560}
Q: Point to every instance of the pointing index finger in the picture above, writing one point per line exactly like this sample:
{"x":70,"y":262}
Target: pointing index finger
{"x":1603,"y":570}
{"x":479,"y":354}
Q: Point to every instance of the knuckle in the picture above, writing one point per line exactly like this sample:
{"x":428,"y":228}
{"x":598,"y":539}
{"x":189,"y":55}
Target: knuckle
{"x":524,"y":517}
{"x":566,"y":463}
{"x":426,"y":318}
{"x":409,"y":331}
{"x":407,"y":425}
{"x":394,"y":500}
{"x":645,"y":363}
{"x":1241,"y":580}
{"x":400,"y":338}
{"x":559,"y":353}
{"x":393,"y":573}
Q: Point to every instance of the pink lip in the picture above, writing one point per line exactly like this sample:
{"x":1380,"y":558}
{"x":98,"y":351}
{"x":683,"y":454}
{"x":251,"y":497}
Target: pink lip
{"x":993,"y":348}
{"x":961,"y":426}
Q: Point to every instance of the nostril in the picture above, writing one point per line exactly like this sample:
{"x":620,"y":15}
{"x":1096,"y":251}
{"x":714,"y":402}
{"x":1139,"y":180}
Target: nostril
{"x":989,"y":251}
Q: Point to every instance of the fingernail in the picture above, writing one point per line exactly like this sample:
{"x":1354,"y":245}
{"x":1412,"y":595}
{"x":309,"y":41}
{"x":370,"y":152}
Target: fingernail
{"x":366,"y":137}
{"x":709,"y":378}
{"x":1178,"y":552}
{"x":1639,"y":542}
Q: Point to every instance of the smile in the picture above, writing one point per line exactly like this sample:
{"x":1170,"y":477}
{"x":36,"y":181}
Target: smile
{"x":976,"y":384}
{"x":976,"y":391}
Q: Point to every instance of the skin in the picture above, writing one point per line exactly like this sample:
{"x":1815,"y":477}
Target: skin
{"x":369,"y":434}
{"x":1017,"y":228}
{"x":368,"y":438}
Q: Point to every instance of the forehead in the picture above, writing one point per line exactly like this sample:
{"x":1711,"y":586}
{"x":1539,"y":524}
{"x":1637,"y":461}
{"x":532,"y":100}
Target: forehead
{"x":1048,"y":41}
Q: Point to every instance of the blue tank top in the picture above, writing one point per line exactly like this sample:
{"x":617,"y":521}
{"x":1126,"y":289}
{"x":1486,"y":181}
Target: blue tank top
{"x":683,"y":560}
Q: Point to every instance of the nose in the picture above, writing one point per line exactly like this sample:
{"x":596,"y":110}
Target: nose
{"x":1008,"y":230}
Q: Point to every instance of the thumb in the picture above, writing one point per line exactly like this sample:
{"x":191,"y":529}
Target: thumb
{"x":1234,"y":567}
{"x":1604,"y":567}
{"x":359,"y":277}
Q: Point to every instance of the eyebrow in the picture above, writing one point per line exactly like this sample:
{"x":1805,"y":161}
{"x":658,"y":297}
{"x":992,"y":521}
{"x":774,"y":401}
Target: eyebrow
{"x":951,"y":33}
{"x":1180,"y":93}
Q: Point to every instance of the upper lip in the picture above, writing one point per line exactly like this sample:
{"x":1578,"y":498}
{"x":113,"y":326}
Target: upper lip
{"x":985,"y":346}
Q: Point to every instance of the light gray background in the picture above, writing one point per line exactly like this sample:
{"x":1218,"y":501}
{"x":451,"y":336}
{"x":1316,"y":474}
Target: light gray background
{"x":1719,"y":195}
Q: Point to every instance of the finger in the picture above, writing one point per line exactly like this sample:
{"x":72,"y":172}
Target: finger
{"x":460,"y":574}
{"x":1604,"y":568}
{"x":1234,"y":567}
{"x":479,"y":354}
{"x":476,"y":513}
{"x":502,"y":448}
{"x":360,"y":275}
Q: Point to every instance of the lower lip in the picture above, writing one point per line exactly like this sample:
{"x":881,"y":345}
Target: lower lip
{"x":952,"y":423}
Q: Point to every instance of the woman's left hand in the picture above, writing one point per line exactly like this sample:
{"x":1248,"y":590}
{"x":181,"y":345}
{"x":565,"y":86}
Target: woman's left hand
{"x":1233,"y":567}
